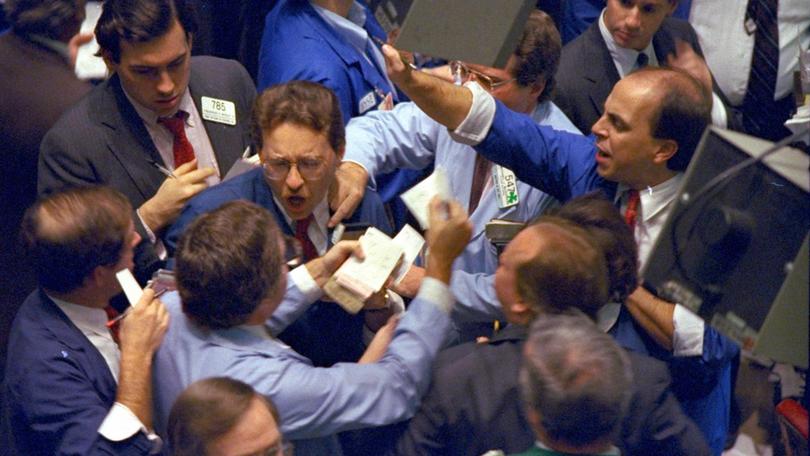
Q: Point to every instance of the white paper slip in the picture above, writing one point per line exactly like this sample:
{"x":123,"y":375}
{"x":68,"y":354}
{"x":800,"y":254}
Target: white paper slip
{"x":88,"y":65}
{"x":418,"y":197}
{"x":411,"y":243}
{"x":132,"y":290}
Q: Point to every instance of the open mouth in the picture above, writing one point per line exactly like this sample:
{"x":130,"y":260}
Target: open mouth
{"x":296,"y":202}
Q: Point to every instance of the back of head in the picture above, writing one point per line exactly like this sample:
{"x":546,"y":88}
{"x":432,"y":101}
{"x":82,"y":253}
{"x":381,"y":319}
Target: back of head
{"x":68,"y":234}
{"x":140,"y":21}
{"x":207,"y":410}
{"x":227,"y":262}
{"x":606,"y":227}
{"x":575,"y":382}
{"x":684,"y":111}
{"x":538,"y":53}
{"x":570,"y":273}
{"x":303,"y":103}
{"x":55,"y":19}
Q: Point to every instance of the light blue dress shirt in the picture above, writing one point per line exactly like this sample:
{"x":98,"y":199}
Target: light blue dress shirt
{"x":405,"y":137}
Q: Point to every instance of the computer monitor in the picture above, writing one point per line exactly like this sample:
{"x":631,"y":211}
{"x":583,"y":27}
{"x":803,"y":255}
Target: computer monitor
{"x":726,"y":256}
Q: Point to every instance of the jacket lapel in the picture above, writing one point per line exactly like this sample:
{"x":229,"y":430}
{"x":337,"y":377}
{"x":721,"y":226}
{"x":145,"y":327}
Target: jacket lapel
{"x":601,"y":82}
{"x":127,"y":138}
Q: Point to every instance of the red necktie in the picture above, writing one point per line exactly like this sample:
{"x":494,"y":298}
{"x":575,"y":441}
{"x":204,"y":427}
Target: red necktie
{"x":112,"y":325}
{"x":301,"y":233}
{"x":631,"y":212}
{"x":182,"y":149}
{"x":482,"y":167}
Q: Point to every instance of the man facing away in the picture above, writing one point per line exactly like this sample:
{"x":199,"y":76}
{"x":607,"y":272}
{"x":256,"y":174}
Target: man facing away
{"x":233,"y":299}
{"x":70,"y":387}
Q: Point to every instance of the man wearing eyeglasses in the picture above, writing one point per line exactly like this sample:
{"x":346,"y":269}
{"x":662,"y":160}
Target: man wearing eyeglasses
{"x":299,"y":130}
{"x":405,"y":137}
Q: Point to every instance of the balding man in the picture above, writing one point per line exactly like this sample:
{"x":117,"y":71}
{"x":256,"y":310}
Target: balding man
{"x":642,"y":144}
{"x":70,"y":387}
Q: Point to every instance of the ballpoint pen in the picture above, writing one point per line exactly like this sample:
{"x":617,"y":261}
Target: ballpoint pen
{"x":401,"y":56}
{"x":163,"y":170}
{"x":123,"y":314}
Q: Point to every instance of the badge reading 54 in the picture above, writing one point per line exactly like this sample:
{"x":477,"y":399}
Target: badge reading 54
{"x":220,"y":111}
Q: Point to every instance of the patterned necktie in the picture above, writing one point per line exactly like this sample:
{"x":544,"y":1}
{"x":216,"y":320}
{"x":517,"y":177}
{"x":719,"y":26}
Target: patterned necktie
{"x":181,"y":148}
{"x":758,"y":115}
{"x":631,"y":212}
{"x":302,"y":234}
{"x":482,"y":168}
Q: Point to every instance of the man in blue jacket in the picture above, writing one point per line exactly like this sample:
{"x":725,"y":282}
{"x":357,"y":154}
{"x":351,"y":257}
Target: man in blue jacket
{"x":70,"y":387}
{"x":300,"y":133}
{"x":652,"y":122}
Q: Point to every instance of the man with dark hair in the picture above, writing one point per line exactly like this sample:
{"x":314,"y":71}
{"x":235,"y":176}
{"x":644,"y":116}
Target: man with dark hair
{"x":299,"y":132}
{"x":70,"y":389}
{"x":627,"y":150}
{"x":576,"y":385}
{"x":219,"y":330}
{"x":161,"y":129}
{"x":220,"y":416}
{"x":628,"y":34}
{"x":38,"y":85}
{"x":450,"y":422}
{"x":380,"y":142}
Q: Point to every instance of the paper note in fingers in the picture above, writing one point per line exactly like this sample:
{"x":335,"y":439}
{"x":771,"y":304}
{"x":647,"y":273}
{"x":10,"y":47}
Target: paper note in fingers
{"x":411,"y":242}
{"x":356,"y":280}
{"x":418,"y":197}
{"x":132,"y":290}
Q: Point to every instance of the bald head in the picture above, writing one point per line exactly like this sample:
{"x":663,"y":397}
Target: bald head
{"x":68,"y":234}
{"x":684,"y":109}
{"x":561,"y":268}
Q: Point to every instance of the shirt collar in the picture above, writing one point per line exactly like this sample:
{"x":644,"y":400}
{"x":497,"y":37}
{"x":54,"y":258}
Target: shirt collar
{"x":623,"y":58}
{"x":87,"y":319}
{"x":150,"y":118}
{"x":351,"y":27}
{"x":612,"y":451}
{"x":655,"y":199}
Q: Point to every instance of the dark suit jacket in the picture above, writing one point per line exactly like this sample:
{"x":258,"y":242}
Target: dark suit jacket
{"x":58,"y":386}
{"x":37,"y":86}
{"x":102,"y":140}
{"x":326,"y":333}
{"x":587,"y":74}
{"x":473,"y":406}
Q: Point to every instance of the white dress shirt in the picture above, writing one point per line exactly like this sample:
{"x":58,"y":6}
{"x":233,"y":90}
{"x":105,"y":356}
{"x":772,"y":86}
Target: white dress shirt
{"x":120,"y":423}
{"x":625,"y":61}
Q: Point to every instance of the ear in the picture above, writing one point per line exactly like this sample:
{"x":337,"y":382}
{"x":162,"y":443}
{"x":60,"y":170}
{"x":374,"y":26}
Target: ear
{"x":522,"y":312}
{"x":340,"y":152}
{"x":108,"y":61}
{"x":673,"y":7}
{"x":537,"y":88}
{"x":667,"y":148}
{"x":190,"y":40}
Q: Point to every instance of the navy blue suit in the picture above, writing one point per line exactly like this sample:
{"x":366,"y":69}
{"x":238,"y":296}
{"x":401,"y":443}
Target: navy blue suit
{"x":58,"y":387}
{"x":325,"y":334}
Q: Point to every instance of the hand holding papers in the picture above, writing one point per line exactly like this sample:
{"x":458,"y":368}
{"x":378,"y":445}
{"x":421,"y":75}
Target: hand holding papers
{"x":418,"y":197}
{"x":358,"y":279}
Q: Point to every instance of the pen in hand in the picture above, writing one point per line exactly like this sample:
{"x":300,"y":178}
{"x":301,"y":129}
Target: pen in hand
{"x":123,"y":314}
{"x":163,"y":170}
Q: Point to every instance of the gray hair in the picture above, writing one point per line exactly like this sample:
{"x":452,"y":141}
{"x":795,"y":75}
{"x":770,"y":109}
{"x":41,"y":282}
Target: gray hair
{"x":576,"y":378}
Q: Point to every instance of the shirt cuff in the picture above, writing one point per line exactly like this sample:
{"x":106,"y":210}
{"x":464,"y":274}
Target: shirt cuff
{"x":306,"y":284}
{"x":160,"y":249}
{"x":688,"y":337}
{"x":121,"y":424}
{"x":475,"y":127}
{"x":719,"y":117}
{"x":437,"y":292}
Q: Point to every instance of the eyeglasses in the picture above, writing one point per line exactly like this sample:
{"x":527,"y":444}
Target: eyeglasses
{"x":308,"y":168}
{"x":293,"y":252}
{"x":464,"y":73}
